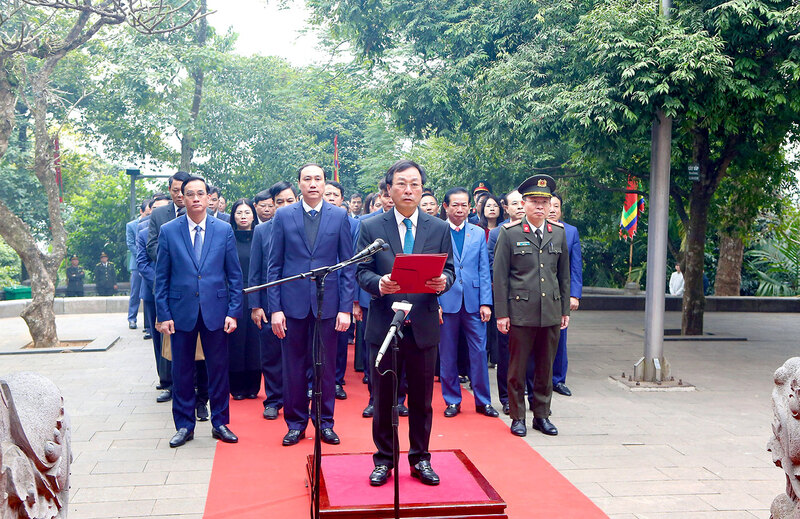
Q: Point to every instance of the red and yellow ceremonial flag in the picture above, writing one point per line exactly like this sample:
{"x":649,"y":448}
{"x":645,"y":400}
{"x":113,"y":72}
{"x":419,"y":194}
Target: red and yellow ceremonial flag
{"x":634,"y":204}
{"x":336,"y":158}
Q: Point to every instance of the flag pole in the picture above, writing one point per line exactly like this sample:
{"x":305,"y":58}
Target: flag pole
{"x":630,"y":260}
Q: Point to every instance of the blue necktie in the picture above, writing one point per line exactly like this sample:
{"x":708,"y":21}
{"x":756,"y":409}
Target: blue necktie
{"x":198,"y":242}
{"x":313,"y":213}
{"x":408,"y":243}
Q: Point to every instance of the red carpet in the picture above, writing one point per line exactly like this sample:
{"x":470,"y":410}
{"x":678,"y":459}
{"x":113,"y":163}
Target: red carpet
{"x":259,"y":478}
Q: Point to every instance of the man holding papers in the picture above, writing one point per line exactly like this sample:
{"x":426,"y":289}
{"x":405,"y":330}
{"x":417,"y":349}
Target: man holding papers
{"x":407,"y":230}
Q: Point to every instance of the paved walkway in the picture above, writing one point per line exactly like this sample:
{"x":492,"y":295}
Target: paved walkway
{"x":682,"y":455}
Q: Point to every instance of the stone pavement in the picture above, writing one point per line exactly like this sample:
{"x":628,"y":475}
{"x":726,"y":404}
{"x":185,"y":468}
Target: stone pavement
{"x":685,"y":455}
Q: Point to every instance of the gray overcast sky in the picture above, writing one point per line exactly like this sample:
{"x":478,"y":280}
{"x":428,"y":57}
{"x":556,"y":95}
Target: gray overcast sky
{"x":266,"y":29}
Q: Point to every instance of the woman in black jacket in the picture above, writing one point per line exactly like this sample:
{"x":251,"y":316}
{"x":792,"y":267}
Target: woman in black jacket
{"x":244,"y":348}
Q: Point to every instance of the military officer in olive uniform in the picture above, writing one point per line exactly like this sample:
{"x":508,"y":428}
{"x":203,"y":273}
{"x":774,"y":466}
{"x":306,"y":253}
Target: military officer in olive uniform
{"x":75,"y":275}
{"x":531,"y":298}
{"x":105,"y":276}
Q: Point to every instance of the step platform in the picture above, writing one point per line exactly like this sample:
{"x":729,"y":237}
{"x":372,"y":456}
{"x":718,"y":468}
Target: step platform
{"x":345,"y":492}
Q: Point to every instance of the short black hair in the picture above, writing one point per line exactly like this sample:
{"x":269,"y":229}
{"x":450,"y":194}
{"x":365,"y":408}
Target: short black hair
{"x":402,"y":165}
{"x":266,"y":194}
{"x":453,"y":191}
{"x":192,"y":178}
{"x":428,"y":192}
{"x":157,"y":198}
{"x":356,"y":194}
{"x":144,"y":205}
{"x":180,"y":176}
{"x":213,"y":190}
{"x":337,"y":185}
{"x":383,"y":187}
{"x":308,"y":165}
{"x":278,"y":187}
{"x":556,"y":195}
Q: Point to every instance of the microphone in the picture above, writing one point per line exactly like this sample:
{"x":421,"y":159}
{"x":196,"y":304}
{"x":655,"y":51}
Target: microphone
{"x":371,"y":249}
{"x":401,"y":310}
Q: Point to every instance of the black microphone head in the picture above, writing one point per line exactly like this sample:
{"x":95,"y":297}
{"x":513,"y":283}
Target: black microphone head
{"x":385,"y":246}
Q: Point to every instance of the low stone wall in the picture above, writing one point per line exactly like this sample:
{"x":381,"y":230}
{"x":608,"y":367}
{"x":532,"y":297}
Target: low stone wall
{"x":71,"y":305}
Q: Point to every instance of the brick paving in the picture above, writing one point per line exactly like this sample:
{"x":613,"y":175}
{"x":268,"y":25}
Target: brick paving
{"x":685,"y":455}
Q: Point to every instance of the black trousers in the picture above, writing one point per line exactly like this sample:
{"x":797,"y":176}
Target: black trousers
{"x":419,"y":366}
{"x":542,"y":343}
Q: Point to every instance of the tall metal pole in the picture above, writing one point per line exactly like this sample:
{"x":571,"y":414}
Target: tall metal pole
{"x":133,"y":196}
{"x":654,"y":367}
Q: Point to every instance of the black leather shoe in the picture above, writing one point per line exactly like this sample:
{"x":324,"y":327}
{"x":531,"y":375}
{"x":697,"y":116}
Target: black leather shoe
{"x":161,"y":386}
{"x":402,"y":410}
{"x":165,"y":396}
{"x":423,"y":472}
{"x":379,"y":475}
{"x":463,"y":380}
{"x":452,"y":410}
{"x":309,"y":394}
{"x":340,"y":394}
{"x":224,"y":434}
{"x":251,"y":396}
{"x":368,"y":411}
{"x":543,"y":425}
{"x":518,"y":428}
{"x":293,"y":437}
{"x":238,"y":397}
{"x":132,"y":325}
{"x":329,"y":437}
{"x":562,"y":389}
{"x":270,"y":413}
{"x":202,"y":412}
{"x":364,"y":380}
{"x":506,"y":408}
{"x":487,"y":410}
{"x":182,"y":436}
{"x":147,"y":335}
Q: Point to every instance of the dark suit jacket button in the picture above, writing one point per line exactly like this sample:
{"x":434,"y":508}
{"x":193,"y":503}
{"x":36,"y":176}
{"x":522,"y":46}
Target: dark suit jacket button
{"x":197,"y":294}
{"x":199,"y":277}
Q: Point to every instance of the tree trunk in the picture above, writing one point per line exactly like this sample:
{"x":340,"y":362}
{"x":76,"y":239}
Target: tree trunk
{"x":729,"y":266}
{"x":694,"y":301}
{"x":187,"y":139}
{"x":39,"y":314}
{"x":8,"y":100}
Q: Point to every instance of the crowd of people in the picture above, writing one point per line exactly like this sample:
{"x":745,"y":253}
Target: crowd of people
{"x":502,"y":301}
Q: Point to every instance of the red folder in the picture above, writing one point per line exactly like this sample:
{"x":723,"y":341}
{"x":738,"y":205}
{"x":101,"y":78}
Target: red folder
{"x":413,"y":270}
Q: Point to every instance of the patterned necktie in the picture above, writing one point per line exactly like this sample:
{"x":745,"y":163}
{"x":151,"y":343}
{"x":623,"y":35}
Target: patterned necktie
{"x":313,"y":213}
{"x":198,"y":242}
{"x":181,"y":211}
{"x":539,"y":237}
{"x":408,"y":242}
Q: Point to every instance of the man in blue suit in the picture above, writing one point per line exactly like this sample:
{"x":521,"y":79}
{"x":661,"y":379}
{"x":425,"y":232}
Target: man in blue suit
{"x":271,"y":368}
{"x":147,"y":270}
{"x":306,"y":236}
{"x":560,"y":362}
{"x":466,"y":306}
{"x":198,"y":291}
{"x":131,"y":232}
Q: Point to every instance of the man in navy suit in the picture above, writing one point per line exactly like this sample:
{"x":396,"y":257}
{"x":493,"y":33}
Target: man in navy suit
{"x":407,"y":230}
{"x":213,"y":205}
{"x":271,"y":368}
{"x":334,"y":194}
{"x":466,"y":306}
{"x":198,"y":291}
{"x":147,"y":270}
{"x":560,"y":362}
{"x":306,"y":236}
{"x":515,"y":209}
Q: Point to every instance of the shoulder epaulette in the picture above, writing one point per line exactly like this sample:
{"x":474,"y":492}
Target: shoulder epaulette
{"x":509,"y":225}
{"x":556,"y":223}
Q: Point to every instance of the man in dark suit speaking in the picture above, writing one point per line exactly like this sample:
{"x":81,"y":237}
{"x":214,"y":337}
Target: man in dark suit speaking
{"x":198,"y":291}
{"x":407,"y":230}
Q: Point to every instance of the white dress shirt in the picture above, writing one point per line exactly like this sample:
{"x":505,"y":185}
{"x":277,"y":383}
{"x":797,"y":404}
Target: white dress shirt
{"x":308,"y":208}
{"x":401,"y":227}
{"x":192,"y":225}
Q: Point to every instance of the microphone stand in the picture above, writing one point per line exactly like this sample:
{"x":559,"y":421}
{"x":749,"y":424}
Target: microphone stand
{"x":396,"y":336}
{"x":318,"y":275}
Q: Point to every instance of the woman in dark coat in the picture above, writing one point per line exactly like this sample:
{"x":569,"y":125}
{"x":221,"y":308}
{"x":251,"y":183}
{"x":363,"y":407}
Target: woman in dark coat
{"x":244,"y":349}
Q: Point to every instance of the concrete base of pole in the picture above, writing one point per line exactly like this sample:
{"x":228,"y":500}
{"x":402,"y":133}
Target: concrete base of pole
{"x":652,"y":370}
{"x":637,"y":386}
